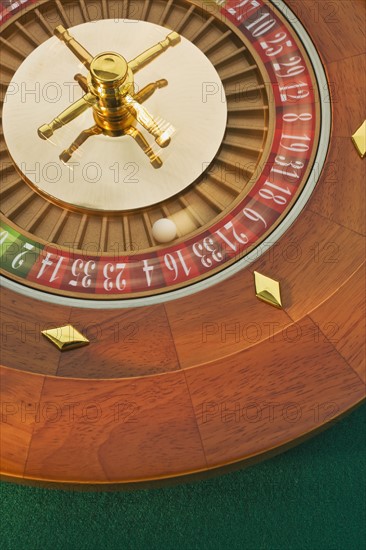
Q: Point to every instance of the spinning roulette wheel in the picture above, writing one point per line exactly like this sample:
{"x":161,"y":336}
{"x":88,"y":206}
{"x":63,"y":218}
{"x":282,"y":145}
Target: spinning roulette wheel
{"x":182,"y":188}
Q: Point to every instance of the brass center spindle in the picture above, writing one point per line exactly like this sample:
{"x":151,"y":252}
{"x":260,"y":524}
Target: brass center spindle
{"x":111,"y":94}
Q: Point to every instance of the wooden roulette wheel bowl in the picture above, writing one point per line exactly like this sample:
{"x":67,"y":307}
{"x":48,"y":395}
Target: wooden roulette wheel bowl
{"x":216,"y":379}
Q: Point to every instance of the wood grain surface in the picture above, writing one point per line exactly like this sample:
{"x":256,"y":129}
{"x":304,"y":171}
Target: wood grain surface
{"x":218,"y":377}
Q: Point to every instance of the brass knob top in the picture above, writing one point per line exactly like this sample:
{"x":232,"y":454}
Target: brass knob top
{"x":109,"y":68}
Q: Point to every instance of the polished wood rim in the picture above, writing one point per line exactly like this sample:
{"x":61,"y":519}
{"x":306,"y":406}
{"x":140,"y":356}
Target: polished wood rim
{"x":217,"y":378}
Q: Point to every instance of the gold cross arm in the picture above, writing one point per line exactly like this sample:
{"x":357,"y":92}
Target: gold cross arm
{"x":142,"y":115}
{"x":77,"y":49}
{"x":69,"y":114}
{"x":146,"y":57}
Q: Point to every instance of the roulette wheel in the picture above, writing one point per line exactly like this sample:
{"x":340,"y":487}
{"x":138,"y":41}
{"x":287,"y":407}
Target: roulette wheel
{"x":182,"y":215}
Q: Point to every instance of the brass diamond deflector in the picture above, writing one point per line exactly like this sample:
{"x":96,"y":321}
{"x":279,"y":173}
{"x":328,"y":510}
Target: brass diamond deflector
{"x":66,"y":338}
{"x":359,"y":140}
{"x":268,"y":290}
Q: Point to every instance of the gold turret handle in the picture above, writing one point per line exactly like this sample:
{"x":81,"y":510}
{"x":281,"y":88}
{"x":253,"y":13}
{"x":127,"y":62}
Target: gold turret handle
{"x":77,"y":49}
{"x":69,"y":114}
{"x":111,"y":99}
{"x":146,"y":57}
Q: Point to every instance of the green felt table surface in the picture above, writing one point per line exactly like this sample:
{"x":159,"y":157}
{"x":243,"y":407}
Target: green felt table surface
{"x":311,"y":497}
